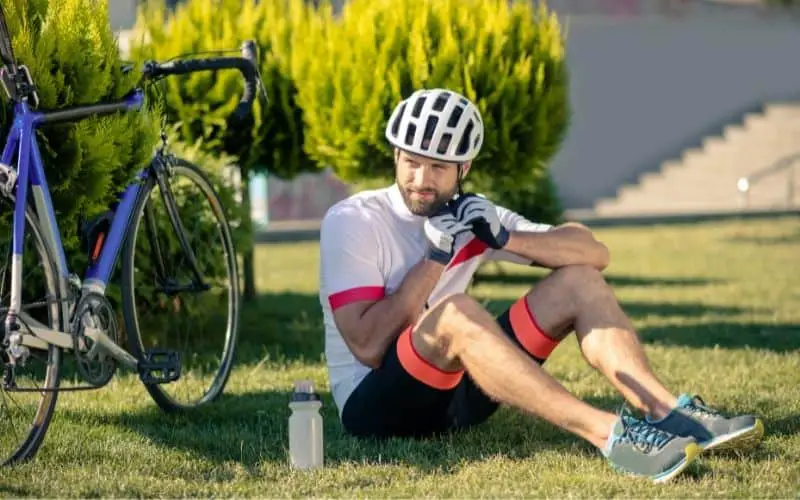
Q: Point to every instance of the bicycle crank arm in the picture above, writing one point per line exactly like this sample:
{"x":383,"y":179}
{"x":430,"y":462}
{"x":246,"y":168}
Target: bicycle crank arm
{"x":42,"y":336}
{"x":102,"y":342}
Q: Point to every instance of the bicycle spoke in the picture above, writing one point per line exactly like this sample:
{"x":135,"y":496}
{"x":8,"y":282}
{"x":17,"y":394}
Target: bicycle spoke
{"x":199,"y":322}
{"x":26,"y":414}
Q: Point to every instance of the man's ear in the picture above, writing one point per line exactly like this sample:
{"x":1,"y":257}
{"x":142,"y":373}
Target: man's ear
{"x":465,"y":168}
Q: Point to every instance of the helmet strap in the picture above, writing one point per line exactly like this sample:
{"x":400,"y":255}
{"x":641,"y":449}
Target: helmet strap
{"x":459,"y":179}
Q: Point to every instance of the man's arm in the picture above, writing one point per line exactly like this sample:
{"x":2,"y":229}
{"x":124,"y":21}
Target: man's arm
{"x":369,"y":327}
{"x":514,"y":238}
{"x":568,"y":244}
{"x":354,"y":286}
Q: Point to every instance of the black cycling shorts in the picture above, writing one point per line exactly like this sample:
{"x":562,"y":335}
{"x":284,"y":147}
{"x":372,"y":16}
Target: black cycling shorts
{"x":409,"y":397}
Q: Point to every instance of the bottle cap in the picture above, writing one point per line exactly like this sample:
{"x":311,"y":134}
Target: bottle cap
{"x":304,"y":391}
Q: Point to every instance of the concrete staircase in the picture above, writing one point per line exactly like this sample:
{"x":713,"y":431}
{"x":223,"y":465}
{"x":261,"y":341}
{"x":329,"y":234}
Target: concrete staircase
{"x":704,"y":179}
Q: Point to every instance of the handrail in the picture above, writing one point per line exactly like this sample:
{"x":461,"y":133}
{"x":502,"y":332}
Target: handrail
{"x":745,"y":184}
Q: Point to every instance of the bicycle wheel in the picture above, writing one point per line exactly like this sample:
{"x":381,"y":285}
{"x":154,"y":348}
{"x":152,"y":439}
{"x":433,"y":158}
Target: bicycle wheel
{"x":164,"y":305}
{"x":26,"y":411}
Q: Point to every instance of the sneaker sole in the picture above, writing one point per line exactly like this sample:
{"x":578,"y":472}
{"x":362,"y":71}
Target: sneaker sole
{"x":743,"y":439}
{"x":691,"y":451}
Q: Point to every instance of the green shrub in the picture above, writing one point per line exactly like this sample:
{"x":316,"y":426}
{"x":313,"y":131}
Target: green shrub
{"x":508,"y":58}
{"x":202,"y":102}
{"x":70,"y":49}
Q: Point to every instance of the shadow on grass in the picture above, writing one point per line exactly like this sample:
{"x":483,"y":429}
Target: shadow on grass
{"x":615,"y":281}
{"x":781,"y":239}
{"x":289,"y":326}
{"x":252,"y":428}
{"x":638,"y":310}
{"x":281,"y":326}
{"x":778,"y":337}
{"x":786,"y":426}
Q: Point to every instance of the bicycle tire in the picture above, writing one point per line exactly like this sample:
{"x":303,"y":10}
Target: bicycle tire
{"x":35,"y":434}
{"x":187,"y":169}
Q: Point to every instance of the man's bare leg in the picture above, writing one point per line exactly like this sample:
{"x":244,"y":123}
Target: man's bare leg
{"x":458,"y":333}
{"x":577,"y":298}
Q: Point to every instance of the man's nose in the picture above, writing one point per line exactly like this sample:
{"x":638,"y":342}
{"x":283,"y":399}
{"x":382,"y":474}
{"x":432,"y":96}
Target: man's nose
{"x":422,"y":176}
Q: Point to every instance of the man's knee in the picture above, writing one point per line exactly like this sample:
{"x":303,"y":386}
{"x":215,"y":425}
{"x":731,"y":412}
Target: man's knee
{"x":442,"y":330}
{"x":458,"y":308}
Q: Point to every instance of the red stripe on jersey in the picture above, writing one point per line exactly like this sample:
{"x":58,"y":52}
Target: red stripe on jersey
{"x":345,"y":297}
{"x":472,"y":249}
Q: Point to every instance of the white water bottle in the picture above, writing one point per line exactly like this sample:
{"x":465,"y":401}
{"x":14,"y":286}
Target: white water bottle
{"x":305,"y":427}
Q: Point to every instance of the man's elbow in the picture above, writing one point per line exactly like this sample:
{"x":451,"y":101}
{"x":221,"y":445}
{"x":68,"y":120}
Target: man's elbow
{"x":367,"y":354}
{"x":602,"y":256}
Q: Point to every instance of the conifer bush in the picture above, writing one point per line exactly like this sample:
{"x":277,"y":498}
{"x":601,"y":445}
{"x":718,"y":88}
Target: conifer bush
{"x":202,"y":102}
{"x":72,"y":54}
{"x":508,"y":57}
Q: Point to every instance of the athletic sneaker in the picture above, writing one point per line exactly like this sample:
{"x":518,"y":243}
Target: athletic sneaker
{"x":711,"y":429}
{"x":638,"y":448}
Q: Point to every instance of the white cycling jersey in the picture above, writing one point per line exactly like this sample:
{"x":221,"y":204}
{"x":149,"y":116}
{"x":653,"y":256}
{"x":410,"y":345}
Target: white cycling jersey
{"x":368,"y":243}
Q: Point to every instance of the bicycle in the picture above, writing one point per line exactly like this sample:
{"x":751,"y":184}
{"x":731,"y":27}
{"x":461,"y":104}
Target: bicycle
{"x":77,"y":316}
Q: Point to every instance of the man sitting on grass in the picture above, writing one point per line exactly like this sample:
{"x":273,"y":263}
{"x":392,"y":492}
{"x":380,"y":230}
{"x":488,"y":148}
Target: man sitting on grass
{"x":409,"y":354}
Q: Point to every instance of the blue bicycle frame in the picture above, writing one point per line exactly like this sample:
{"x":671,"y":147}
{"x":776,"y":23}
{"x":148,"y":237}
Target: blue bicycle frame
{"x":30,"y":172}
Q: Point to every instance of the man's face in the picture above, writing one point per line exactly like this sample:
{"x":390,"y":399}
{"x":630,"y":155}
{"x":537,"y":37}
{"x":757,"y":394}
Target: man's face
{"x":426,"y":185}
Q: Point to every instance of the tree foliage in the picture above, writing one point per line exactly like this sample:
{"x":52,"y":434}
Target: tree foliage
{"x":74,"y":59}
{"x":508,"y":57}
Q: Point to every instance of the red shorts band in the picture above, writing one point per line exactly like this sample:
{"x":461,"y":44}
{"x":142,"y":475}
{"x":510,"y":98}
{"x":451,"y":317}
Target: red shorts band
{"x":421,"y":369}
{"x":528,"y":331}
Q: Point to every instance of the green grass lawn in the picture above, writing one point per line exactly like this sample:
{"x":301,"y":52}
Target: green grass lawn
{"x":715,"y":303}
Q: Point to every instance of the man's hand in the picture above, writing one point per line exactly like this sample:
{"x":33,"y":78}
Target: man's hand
{"x":481,"y":214}
{"x":441,"y":230}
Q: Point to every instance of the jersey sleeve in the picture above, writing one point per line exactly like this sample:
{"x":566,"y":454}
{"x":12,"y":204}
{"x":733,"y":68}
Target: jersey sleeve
{"x":515,"y":222}
{"x":349,"y":258}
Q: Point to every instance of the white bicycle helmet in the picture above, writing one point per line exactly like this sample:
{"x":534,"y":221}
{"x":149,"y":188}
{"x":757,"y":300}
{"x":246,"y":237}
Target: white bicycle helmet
{"x":437,"y":123}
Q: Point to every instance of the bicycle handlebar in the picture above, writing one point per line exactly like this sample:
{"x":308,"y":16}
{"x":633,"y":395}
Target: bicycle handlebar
{"x":245,"y":64}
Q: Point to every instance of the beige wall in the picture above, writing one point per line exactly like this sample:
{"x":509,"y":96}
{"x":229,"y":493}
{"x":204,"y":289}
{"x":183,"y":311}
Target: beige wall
{"x":122,"y":13}
{"x":645,"y":88}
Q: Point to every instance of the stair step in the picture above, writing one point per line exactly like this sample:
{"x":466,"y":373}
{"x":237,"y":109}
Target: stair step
{"x":713,"y":144}
{"x":693,"y":154}
{"x":734,"y":134}
{"x":736,"y":160}
{"x":783,"y":110}
{"x":753,"y":120}
{"x":706,"y":178}
{"x":772,"y":192}
{"x":774,"y":130}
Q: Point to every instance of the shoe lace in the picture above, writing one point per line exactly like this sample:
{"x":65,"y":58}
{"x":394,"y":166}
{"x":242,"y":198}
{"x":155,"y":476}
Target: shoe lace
{"x":642,"y":435}
{"x":698,"y":407}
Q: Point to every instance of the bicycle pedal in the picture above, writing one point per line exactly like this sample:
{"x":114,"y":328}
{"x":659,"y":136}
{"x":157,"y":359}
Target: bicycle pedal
{"x":160,"y":366}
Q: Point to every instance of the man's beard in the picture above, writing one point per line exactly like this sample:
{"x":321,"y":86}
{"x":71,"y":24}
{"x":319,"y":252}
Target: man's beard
{"x":426,"y":208}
